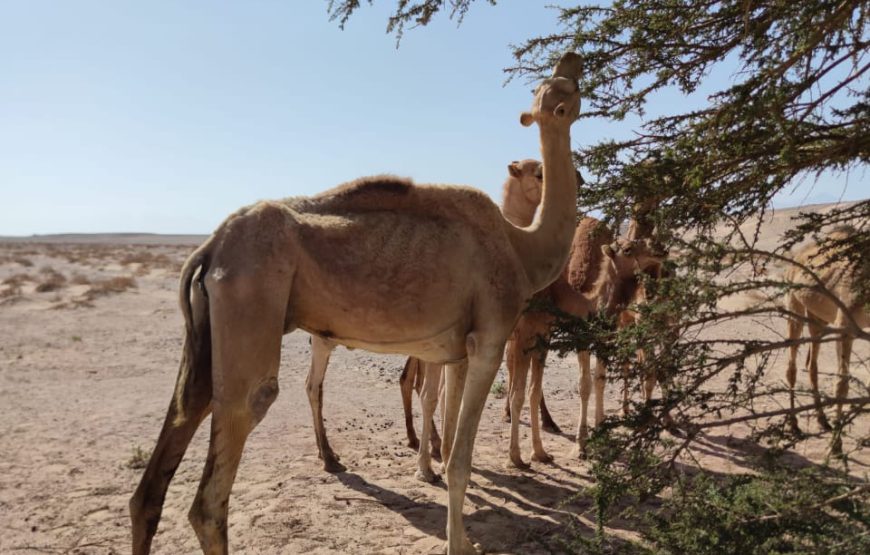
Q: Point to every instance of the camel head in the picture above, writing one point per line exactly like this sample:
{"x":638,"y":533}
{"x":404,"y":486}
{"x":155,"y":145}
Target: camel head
{"x":631,"y":256}
{"x":526,"y":179}
{"x":557,"y":99}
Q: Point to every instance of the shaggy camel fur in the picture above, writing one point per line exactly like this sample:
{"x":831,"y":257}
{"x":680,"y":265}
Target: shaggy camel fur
{"x":381,"y":264}
{"x":599,"y":276}
{"x":826,"y":301}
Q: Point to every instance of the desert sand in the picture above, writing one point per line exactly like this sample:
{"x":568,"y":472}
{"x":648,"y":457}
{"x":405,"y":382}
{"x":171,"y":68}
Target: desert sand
{"x":88,"y":364}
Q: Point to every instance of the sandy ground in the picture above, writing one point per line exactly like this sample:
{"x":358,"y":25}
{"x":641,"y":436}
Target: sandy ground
{"x":85,"y":379}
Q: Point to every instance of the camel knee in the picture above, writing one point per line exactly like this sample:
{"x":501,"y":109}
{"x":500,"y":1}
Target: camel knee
{"x":261,"y":399}
{"x":210,"y":529}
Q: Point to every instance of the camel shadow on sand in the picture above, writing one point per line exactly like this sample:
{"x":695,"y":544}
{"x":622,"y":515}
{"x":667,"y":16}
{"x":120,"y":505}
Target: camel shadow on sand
{"x":504,"y":511}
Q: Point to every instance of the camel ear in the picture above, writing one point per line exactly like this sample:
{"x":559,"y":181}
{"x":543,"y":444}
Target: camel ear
{"x":514,"y":169}
{"x":570,"y":65}
{"x":608,"y":251}
{"x":526,"y":119}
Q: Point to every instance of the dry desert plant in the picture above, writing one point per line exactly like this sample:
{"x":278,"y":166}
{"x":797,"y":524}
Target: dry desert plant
{"x":52,"y":280}
{"x":110,"y":286}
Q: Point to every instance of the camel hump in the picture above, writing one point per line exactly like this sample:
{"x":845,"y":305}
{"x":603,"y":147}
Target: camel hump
{"x":585,"y":262}
{"x":374,"y":186}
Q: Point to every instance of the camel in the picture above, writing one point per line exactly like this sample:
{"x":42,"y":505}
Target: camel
{"x":381,"y":264}
{"x":521,"y":195}
{"x":641,"y":228}
{"x":827,"y":301}
{"x":600,"y":275}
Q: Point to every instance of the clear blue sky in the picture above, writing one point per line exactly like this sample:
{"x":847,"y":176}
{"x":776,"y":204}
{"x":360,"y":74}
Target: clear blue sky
{"x":165,"y":116}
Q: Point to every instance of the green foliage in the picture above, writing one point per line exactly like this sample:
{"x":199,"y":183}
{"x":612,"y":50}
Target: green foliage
{"x":780,"y":511}
{"x":797,"y":106}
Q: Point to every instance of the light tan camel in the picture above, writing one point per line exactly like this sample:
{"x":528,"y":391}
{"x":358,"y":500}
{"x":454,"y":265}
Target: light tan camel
{"x":521,"y":195}
{"x":827,"y":301}
{"x":599,"y":276}
{"x":381,"y":264}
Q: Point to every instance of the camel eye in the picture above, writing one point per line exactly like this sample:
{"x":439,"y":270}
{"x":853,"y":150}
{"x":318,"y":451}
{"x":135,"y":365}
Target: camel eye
{"x":539,"y":173}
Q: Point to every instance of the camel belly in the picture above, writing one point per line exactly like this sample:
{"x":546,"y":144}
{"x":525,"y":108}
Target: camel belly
{"x":444,"y":347}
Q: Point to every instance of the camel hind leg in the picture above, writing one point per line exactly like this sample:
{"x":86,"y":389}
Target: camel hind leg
{"x":813,"y":363}
{"x":844,"y":355}
{"x":429,"y":399}
{"x":407,"y":384}
{"x":795,"y":328}
{"x":247,"y":325}
{"x":320,"y":351}
{"x":146,"y":505}
{"x":521,"y":361}
{"x":536,"y":397}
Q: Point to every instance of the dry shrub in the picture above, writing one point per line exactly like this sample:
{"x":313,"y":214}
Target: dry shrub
{"x":10,"y":291}
{"x":52,"y":280}
{"x":13,"y":285}
{"x":110,"y":286}
{"x":80,"y":279}
{"x":73,"y":303}
{"x":26,"y":262}
{"x":147,"y":260}
{"x":17,"y":279}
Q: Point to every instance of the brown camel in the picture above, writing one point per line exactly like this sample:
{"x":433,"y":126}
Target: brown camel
{"x":599,"y":276}
{"x":827,"y":301}
{"x":641,"y":228}
{"x":434,"y":272}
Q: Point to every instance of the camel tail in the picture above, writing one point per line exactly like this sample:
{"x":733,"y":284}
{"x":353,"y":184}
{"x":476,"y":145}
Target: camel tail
{"x":195,"y":367}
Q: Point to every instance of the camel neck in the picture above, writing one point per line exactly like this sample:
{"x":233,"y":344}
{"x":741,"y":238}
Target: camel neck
{"x":520,"y":214}
{"x":544,"y":246}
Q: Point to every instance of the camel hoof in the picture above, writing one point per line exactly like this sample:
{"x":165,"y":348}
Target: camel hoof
{"x":506,"y":417}
{"x":542,"y":458}
{"x":824,"y":424}
{"x":551,"y":428}
{"x":467,"y":548}
{"x":414,"y":443}
{"x":428,"y":476}
{"x":579,"y":453}
{"x":518,"y":462}
{"x":791,"y":424}
{"x":333,"y":466}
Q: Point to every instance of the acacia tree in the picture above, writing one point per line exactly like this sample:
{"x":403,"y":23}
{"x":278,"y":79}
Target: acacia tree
{"x":797,"y":107}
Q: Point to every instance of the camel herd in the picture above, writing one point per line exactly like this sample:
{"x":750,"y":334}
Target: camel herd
{"x":437,"y":273}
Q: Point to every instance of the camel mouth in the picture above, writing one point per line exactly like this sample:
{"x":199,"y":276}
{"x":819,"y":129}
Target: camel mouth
{"x":558,"y":96}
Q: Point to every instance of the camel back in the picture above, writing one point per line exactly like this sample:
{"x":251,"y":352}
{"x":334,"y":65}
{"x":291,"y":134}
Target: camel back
{"x":387,"y":193}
